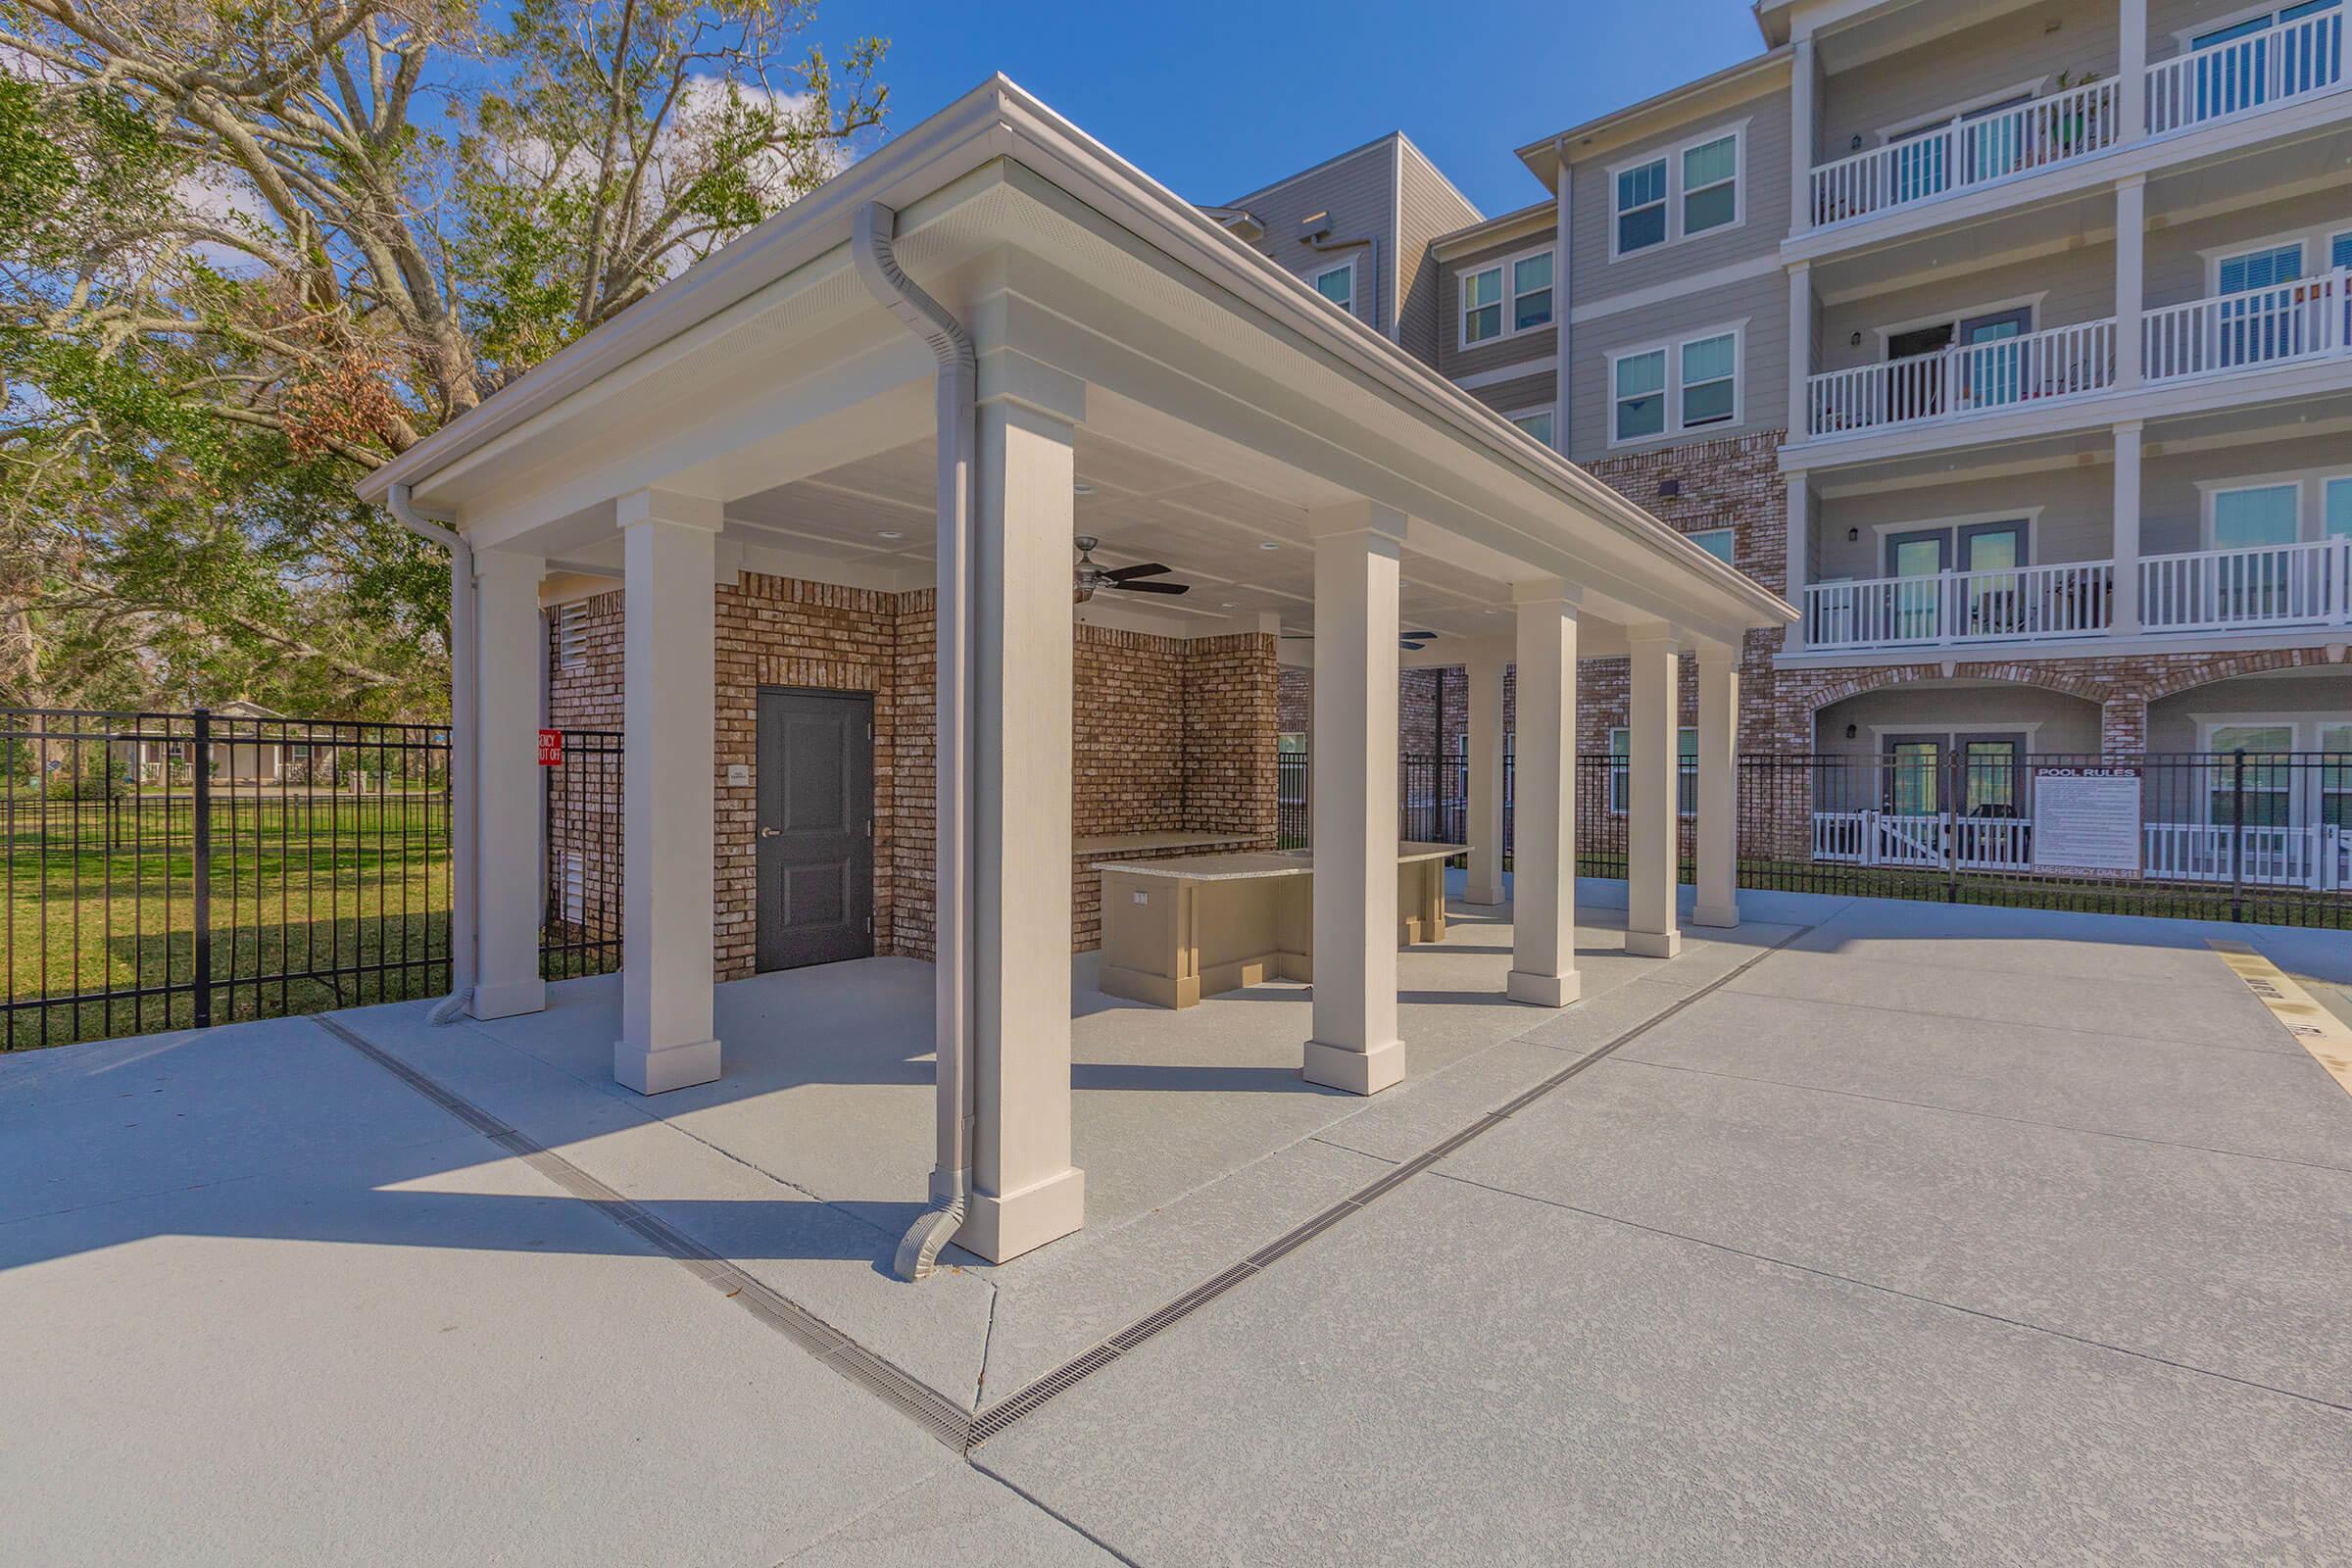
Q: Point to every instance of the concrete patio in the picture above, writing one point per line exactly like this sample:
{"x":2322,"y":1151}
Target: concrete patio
{"x":1879,"y":1230}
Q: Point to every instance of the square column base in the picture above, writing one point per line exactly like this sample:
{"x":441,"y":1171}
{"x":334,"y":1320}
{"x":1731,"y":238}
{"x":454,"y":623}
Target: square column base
{"x":507,"y":1001}
{"x":658,"y":1071}
{"x":1653,"y":943}
{"x":1485,"y":897}
{"x":1543,"y":990}
{"x":1358,"y":1072}
{"x":1001,"y":1227}
{"x":1716,"y":917}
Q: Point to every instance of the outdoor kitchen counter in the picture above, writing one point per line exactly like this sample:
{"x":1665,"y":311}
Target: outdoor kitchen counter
{"x":1175,"y":931}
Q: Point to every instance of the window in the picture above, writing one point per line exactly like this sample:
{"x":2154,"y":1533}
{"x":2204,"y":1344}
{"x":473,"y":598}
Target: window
{"x":1536,"y":422}
{"x":571,"y":635}
{"x":2269,"y":800}
{"x":1506,"y":298}
{"x":1642,"y":206}
{"x":2257,"y":515}
{"x":2260,"y":21}
{"x":1640,"y":395}
{"x":1621,"y":765}
{"x":1679,"y":194}
{"x":2336,"y":513}
{"x":1338,"y":285}
{"x":2335,"y":774}
{"x":1716,"y":542}
{"x":2339,"y":251}
{"x":1669,"y":388}
{"x":1710,"y":185}
{"x":2267,"y":267}
{"x":1708,"y":382}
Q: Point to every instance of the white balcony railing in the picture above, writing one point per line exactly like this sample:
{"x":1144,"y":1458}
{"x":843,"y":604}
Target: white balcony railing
{"x":2235,"y":590}
{"x":2015,"y":604}
{"x":2307,"y":319}
{"x":2063,"y":362}
{"x":2280,"y":65}
{"x":2027,"y":136}
{"x":2291,"y":61}
{"x":2318,"y":856}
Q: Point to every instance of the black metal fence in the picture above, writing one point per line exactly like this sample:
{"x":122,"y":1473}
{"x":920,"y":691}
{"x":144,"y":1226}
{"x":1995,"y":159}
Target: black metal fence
{"x":172,"y":870}
{"x":580,"y":924}
{"x":2244,"y":836}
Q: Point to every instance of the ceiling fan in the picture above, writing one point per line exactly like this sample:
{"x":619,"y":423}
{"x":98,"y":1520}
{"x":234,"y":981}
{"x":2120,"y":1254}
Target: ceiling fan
{"x":1410,"y":641}
{"x":1089,"y":576}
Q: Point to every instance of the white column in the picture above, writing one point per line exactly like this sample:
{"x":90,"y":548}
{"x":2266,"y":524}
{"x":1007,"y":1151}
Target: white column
{"x":1802,"y":91}
{"x":669,"y":792}
{"x":510,"y":655}
{"x":1483,"y":671}
{"x":1718,"y":902}
{"x":1543,"y":861}
{"x":1356,"y":1045}
{"x":1652,"y":784}
{"x":1800,"y":350}
{"x":2131,"y":236}
{"x":1563,"y":295}
{"x":2126,"y":604}
{"x":2132,"y":71}
{"x":1027,"y":1192}
{"x":1799,"y":531}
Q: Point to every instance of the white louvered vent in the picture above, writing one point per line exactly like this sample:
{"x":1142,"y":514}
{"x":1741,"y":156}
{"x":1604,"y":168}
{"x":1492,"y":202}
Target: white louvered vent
{"x":571,"y":635}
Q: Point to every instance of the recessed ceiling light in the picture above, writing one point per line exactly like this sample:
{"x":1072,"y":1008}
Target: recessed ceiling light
{"x":1229,"y":604}
{"x":888,"y":533}
{"x":1082,"y":488}
{"x":1269,"y":545}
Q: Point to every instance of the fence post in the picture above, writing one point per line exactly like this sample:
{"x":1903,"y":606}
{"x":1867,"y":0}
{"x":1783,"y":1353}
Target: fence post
{"x":2238,"y":834}
{"x":1951,"y":825}
{"x":200,"y":881}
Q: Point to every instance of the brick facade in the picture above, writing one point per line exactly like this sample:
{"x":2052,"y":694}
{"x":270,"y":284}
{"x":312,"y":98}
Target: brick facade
{"x":1168,"y":736}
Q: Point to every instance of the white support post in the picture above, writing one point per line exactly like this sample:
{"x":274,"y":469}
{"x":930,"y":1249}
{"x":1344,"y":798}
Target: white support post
{"x":1562,"y":293}
{"x":1026,"y":1190}
{"x":1544,"y":859}
{"x":1802,"y":91}
{"x":1718,"y":902}
{"x":1652,"y":788}
{"x":1355,"y":1045}
{"x":2132,"y":71}
{"x":2130,"y":238}
{"x":669,"y":792}
{"x":1800,"y":350}
{"x":2124,"y":618}
{"x":1483,"y":671}
{"x":1798,"y":530}
{"x":509,"y":662}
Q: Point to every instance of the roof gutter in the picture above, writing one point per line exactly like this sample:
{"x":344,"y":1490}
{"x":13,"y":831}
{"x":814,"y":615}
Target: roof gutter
{"x":464,"y":785}
{"x":956,"y":405}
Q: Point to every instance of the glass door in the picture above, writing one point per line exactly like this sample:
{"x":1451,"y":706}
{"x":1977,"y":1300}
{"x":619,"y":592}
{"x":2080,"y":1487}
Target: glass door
{"x":1991,"y":361}
{"x":1990,"y":553}
{"x":1917,"y":561}
{"x":2258,"y":522}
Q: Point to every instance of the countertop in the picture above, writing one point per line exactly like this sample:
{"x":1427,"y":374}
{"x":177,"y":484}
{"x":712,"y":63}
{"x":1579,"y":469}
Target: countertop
{"x":1154,"y":843}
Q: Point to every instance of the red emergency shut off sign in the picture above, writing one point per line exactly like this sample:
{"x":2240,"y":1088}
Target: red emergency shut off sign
{"x":551,"y":748}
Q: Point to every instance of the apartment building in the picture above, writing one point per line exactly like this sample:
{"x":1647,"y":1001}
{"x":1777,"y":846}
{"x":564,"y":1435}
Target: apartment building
{"x":2012,"y":342}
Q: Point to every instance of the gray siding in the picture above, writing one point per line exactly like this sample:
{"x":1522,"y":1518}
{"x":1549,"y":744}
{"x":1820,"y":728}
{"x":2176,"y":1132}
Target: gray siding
{"x":1765,"y":204}
{"x":1454,"y":360}
{"x":2175,"y":272}
{"x":2076,"y":285}
{"x":2173,"y":721}
{"x":2171,"y":506}
{"x":2076,"y":520}
{"x":1964,"y":64}
{"x":1427,"y":208}
{"x":1355,"y":190}
{"x":1517,"y":396}
{"x":1762,"y":302}
{"x":2066,"y":724}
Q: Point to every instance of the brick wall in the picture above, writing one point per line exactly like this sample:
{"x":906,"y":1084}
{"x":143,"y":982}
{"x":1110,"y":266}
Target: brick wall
{"x":1167,"y":736}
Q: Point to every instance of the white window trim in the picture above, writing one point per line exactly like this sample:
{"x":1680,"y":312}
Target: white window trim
{"x":1673,"y":390}
{"x":2218,"y":258}
{"x":1672,"y":155}
{"x":2319,"y":236}
{"x":1506,"y":266}
{"x":2029,"y":728}
{"x":2030,"y":515}
{"x":1553,"y":408}
{"x":2303,"y":726}
{"x":2023,"y":302}
{"x":2182,"y":35}
{"x":2311,"y":501}
{"x":1315,"y":281}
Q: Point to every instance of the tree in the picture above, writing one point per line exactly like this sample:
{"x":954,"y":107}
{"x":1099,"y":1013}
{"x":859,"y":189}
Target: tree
{"x":255,"y":247}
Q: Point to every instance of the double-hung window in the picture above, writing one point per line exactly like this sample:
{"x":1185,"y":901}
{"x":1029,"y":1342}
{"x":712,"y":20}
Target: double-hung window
{"x":1482,"y":305}
{"x":1338,"y":285}
{"x":1640,"y":395}
{"x":1710,"y":379}
{"x":1508,"y":298}
{"x":1674,"y":387}
{"x":1642,"y":206}
{"x":1710,"y":184}
{"x":1681,"y":193}
{"x":1531,"y":292}
{"x":1536,"y":422}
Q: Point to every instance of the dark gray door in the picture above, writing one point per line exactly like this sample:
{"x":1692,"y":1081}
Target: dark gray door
{"x":817,"y":827}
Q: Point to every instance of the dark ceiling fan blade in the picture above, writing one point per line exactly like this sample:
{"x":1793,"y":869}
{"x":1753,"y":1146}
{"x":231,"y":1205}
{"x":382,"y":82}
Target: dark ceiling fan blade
{"x":1150,"y":587}
{"x":1412,"y":648}
{"x":1152,"y":569}
{"x":1425,"y":636}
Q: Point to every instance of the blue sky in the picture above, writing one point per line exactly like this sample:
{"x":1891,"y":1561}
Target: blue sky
{"x":1213,"y":97}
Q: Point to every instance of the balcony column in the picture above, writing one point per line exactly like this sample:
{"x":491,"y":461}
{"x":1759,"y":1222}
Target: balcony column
{"x":2131,"y":245}
{"x":1654,"y":791}
{"x":1799,"y":529}
{"x":1561,"y":294}
{"x":513,"y":791}
{"x":1543,"y":858}
{"x":1718,"y":902}
{"x":1800,"y":350}
{"x":1803,"y":89}
{"x":1355,"y":1045}
{"x":2123,"y":614}
{"x":1484,"y":672}
{"x":1026,"y":1190}
{"x":2132,"y":72}
{"x":669,"y":792}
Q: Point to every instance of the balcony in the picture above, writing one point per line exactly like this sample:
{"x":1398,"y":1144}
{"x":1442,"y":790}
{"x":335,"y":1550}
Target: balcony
{"x":2211,"y":592}
{"x":2309,"y":319}
{"x":2297,"y":60}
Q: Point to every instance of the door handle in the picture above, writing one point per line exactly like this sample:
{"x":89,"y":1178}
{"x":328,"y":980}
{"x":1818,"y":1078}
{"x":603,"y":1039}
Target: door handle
{"x":771,"y":832}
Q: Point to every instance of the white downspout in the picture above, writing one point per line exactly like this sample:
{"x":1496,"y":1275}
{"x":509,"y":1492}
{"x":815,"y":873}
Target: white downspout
{"x":464,"y":792}
{"x":958,"y":426}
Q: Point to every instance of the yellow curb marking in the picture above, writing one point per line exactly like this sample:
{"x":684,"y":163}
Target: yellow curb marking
{"x":2326,"y":1037}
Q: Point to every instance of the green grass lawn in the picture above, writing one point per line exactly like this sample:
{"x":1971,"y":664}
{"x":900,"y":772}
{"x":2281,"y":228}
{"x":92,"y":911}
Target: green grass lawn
{"x":353,"y":890}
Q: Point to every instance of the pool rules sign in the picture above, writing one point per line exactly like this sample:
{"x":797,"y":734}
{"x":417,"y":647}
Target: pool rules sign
{"x":2085,"y":819}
